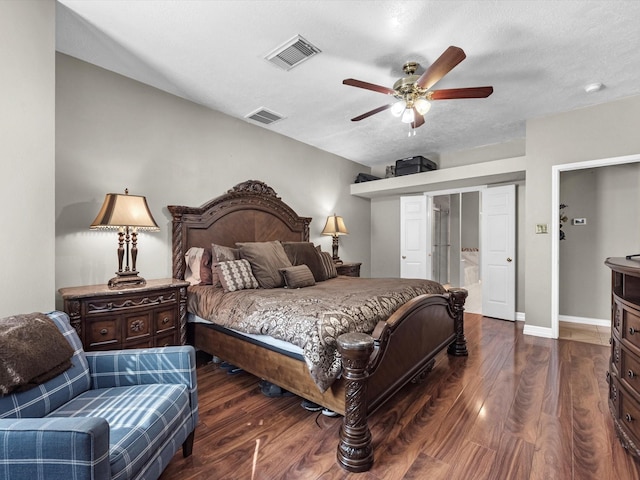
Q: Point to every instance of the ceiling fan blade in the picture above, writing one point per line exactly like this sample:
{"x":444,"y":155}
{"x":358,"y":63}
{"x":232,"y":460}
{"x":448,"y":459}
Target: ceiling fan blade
{"x":451,"y":57}
{"x":369,"y":86}
{"x":372,"y":112}
{"x":418,"y":119}
{"x":451,"y":93}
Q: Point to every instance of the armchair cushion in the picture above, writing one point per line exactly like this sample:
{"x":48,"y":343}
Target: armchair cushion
{"x":142,"y":420}
{"x":34,"y":448}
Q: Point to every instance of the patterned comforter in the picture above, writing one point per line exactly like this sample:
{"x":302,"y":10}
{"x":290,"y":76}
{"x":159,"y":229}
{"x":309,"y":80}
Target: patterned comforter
{"x":311,"y":318}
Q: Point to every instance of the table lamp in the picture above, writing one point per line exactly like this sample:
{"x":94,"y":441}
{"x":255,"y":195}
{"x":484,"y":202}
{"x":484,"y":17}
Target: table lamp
{"x":127,"y":213}
{"x":335,"y":227}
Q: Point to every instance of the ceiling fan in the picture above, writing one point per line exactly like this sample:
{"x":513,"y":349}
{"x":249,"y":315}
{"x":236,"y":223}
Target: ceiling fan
{"x":413,"y":92}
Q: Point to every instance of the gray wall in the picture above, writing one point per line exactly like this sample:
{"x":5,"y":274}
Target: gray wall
{"x":113,"y":132}
{"x":598,"y":132}
{"x":27,"y":56}
{"x":609,"y":199}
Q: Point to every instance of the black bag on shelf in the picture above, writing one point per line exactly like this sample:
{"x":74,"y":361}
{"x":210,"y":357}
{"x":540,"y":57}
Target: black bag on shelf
{"x":365,"y":177}
{"x":416,"y":164}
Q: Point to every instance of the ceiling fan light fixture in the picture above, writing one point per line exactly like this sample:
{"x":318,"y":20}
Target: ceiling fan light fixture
{"x":422,"y":105}
{"x":408,"y":116}
{"x":398,"y":108}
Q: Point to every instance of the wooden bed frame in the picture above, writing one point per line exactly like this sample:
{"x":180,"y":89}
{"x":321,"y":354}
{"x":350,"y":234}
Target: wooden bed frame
{"x":401,"y":349}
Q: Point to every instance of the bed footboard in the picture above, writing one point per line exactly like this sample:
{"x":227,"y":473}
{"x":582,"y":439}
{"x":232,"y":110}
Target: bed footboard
{"x":427,"y":324}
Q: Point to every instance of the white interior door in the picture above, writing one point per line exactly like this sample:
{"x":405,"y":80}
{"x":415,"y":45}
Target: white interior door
{"x":415,"y":247}
{"x":498,"y":262}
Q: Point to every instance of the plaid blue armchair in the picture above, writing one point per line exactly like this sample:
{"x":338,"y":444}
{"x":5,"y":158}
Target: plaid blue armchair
{"x":113,"y":415}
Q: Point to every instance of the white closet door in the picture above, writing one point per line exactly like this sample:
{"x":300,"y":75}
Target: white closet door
{"x":415,"y":248}
{"x":498,"y":252}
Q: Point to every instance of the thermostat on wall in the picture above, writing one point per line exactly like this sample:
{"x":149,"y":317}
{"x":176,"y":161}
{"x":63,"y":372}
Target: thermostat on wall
{"x":579,"y":221}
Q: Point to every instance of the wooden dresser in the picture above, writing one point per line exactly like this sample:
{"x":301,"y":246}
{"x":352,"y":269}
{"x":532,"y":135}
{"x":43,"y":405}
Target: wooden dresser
{"x":153,"y":315}
{"x":624,"y":366}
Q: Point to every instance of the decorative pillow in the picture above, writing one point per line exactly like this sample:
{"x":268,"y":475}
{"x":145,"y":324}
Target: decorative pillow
{"x":235,"y":275}
{"x":266,"y":259}
{"x":298,"y":276}
{"x":220,"y":253}
{"x":193,"y":258}
{"x":305,"y":253}
{"x":329,"y":266}
{"x":225,"y":254}
{"x":206,"y":274}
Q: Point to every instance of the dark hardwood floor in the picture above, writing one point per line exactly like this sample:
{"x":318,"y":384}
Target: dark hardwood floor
{"x":519,"y":407}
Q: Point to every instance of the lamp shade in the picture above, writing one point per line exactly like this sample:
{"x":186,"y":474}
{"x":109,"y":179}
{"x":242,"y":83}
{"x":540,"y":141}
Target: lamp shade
{"x":335,"y":226}
{"x":125,"y":211}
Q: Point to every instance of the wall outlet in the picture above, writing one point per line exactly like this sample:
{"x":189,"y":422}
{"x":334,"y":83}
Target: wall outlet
{"x":542,"y":228}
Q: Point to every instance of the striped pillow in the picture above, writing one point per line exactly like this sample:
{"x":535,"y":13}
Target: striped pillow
{"x":235,"y":275}
{"x":298,"y":276}
{"x":329,"y":266}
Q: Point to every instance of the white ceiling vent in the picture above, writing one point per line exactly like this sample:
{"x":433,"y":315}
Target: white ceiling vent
{"x":292,"y":53}
{"x":264,"y":116}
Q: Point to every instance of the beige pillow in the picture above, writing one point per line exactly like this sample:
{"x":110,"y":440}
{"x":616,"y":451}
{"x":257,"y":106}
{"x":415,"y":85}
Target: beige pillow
{"x":193,"y":259}
{"x":220,"y":253}
{"x":266,"y":259}
{"x":298,"y":276}
{"x":235,"y":275}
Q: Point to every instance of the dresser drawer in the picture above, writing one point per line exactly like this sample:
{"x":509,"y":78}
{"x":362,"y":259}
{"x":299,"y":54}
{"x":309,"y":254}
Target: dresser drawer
{"x":630,"y":331}
{"x":629,"y":414}
{"x":629,"y":370}
{"x":123,"y":302}
{"x":103,"y":333}
{"x":166,"y":320}
{"x":166,"y":340}
{"x":137,"y":325}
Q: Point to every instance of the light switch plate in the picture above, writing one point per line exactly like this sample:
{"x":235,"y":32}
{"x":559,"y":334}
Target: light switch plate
{"x":542,"y":228}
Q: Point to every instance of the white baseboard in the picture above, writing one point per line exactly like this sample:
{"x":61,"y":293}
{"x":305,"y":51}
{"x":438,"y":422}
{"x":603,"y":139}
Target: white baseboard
{"x":536,"y":331}
{"x":585,"y":320}
{"x":519,"y":316}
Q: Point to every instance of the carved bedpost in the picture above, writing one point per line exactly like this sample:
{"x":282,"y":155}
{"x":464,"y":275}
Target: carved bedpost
{"x":178,"y":263}
{"x":355,"y":452}
{"x":457,"y":297}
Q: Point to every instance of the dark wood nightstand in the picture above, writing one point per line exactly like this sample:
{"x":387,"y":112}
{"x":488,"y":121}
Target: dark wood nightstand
{"x":349,"y":269}
{"x":153,"y":315}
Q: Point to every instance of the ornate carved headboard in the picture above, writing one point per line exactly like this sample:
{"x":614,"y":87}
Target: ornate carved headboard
{"x":249,"y":212}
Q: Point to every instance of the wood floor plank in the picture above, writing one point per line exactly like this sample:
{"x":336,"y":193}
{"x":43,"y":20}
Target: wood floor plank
{"x":553,"y":456}
{"x":474,"y":461}
{"x":589,"y":422}
{"x":527,"y":403}
{"x":518,"y":408}
{"x":513,"y":459}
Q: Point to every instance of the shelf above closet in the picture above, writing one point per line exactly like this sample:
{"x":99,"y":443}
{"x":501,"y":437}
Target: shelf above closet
{"x":485,"y":173}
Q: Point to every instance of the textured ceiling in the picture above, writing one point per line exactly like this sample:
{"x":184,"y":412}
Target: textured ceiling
{"x":538,"y":55}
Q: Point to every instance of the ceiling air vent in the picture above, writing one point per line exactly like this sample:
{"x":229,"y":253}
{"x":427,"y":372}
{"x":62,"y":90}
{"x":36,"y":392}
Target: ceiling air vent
{"x":292,"y":53}
{"x":264,"y":116}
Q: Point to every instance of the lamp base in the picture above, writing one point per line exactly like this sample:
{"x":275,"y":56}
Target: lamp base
{"x":126,"y":280}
